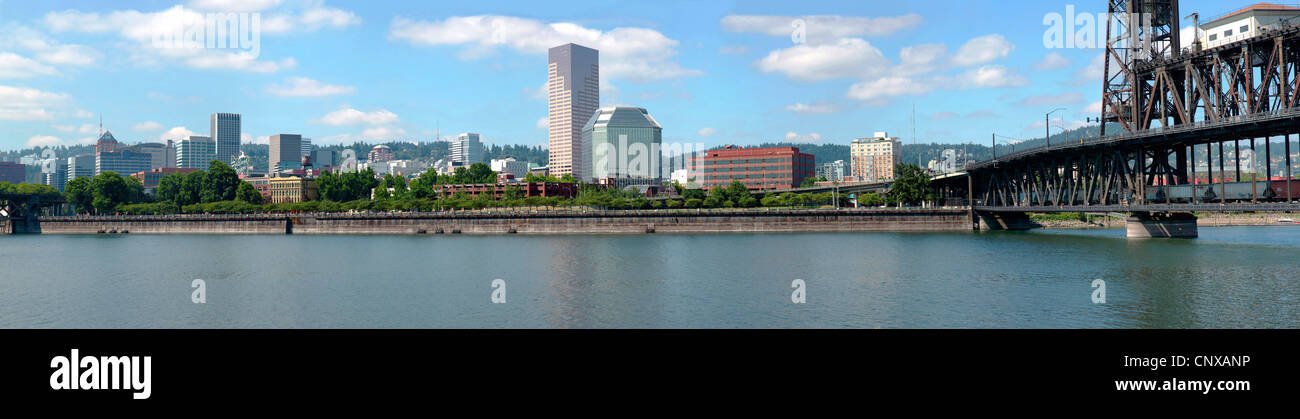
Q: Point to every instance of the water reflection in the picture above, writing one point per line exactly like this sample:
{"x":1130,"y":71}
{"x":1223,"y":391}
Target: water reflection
{"x":1230,"y":277}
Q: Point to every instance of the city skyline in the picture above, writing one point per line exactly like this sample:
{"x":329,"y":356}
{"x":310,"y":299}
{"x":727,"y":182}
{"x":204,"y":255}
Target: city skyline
{"x":717,"y":75}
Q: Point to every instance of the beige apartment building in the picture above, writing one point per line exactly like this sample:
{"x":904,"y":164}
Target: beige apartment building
{"x":873,"y":158}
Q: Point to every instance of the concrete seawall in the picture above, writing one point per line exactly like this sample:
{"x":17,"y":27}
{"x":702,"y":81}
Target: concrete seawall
{"x":556,"y":223}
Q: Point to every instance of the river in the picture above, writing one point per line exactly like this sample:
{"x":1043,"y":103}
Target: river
{"x":1230,"y":277}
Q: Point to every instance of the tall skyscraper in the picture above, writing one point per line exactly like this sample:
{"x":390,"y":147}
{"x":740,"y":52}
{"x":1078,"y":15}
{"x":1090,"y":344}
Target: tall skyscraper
{"x":224,"y":128}
{"x":467,"y":148}
{"x":573,"y":91}
{"x":285,"y":152}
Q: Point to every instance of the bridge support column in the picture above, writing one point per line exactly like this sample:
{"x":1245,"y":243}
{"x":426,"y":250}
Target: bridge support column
{"x":1161,"y":225}
{"x":1005,"y":221}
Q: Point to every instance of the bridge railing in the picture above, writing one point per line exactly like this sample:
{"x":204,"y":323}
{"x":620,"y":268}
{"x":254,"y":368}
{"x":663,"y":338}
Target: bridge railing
{"x":1233,"y":120}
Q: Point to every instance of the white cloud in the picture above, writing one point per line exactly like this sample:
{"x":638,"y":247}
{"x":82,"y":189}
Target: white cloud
{"x":305,"y":87}
{"x":1052,"y":61}
{"x":820,"y":28}
{"x":138,"y":30}
{"x":878,"y":92}
{"x":994,"y":76}
{"x":383,"y":133}
{"x":920,"y":59}
{"x":706,"y":131}
{"x":45,"y":49}
{"x":14,"y":66}
{"x":983,"y":50}
{"x":28,"y":97}
{"x":544,"y":123}
{"x":147,"y":126}
{"x":28,"y":104}
{"x":1067,"y":98}
{"x":42,"y":141}
{"x":353,"y":117}
{"x":1093,"y":109}
{"x":234,"y":5}
{"x":328,"y":17}
{"x":239,"y":61}
{"x":636,"y":54}
{"x":795,"y":137}
{"x":19,"y":114}
{"x":847,"y":58}
{"x":819,"y":107}
{"x":939,"y":116}
{"x":176,"y":133}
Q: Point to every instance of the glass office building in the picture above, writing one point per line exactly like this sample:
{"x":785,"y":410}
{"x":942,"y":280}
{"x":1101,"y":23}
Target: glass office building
{"x":624,"y":144}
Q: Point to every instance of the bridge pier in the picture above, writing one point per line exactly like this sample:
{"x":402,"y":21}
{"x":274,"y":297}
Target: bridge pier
{"x":1161,"y":225}
{"x":1017,"y":221}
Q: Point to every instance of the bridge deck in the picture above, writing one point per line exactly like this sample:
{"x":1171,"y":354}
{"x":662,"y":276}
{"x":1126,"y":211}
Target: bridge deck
{"x":1242,"y":207}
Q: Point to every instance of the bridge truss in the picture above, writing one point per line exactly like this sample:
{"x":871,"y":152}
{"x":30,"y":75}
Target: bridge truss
{"x":1174,"y":106}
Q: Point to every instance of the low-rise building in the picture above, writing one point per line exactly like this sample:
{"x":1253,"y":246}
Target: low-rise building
{"x":757,"y":168}
{"x":530,"y":189}
{"x":292,"y":189}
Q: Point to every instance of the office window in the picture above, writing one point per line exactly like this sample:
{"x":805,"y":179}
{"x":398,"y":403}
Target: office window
{"x":1245,"y":29}
{"x":1214,"y":37}
{"x":1227,"y":33}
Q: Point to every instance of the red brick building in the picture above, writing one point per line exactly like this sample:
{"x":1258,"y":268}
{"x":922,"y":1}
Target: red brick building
{"x":757,"y":168}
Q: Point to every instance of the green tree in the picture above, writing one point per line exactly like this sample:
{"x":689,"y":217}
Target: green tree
{"x":870,"y":200}
{"x":191,"y":190}
{"x":220,"y":184}
{"x":911,"y":185}
{"x":514,"y":192}
{"x":737,"y":191}
{"x":168,"y":187}
{"x":81,"y":194}
{"x":247,"y":193}
{"x":109,"y":190}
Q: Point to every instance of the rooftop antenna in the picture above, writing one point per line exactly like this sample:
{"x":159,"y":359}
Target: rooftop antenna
{"x":101,"y":124}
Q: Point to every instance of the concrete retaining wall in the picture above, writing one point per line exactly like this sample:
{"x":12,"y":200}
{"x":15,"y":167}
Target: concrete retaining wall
{"x":955,"y":221}
{"x":173,"y":225}
{"x":845,"y":221}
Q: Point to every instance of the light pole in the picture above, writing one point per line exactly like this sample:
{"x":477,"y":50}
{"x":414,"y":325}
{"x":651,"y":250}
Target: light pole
{"x":1047,"y":125}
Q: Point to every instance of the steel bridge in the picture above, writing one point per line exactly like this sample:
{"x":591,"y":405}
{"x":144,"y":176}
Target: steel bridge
{"x":20,"y":213}
{"x":1174,"y":105}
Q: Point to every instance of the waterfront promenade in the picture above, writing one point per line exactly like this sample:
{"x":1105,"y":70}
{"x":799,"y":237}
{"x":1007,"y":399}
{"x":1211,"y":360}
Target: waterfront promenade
{"x":520,"y":222}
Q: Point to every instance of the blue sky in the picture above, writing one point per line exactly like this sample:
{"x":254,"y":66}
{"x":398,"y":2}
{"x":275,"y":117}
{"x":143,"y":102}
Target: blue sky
{"x":710,"y":72}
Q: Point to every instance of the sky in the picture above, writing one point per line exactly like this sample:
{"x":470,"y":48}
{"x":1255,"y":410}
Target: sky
{"x":711,"y":72}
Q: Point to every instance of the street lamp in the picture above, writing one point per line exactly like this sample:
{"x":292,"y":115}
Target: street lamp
{"x":1047,"y":125}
